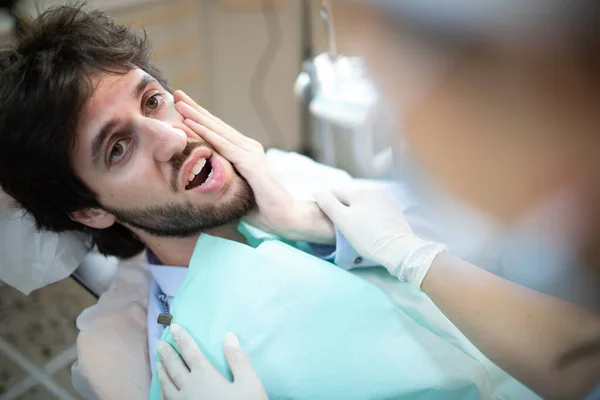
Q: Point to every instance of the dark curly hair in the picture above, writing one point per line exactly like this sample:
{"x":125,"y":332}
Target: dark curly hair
{"x":45,"y":79}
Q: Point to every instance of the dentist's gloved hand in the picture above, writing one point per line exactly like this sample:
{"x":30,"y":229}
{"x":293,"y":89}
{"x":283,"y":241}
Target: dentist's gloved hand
{"x":199,"y":379}
{"x":372,"y":222}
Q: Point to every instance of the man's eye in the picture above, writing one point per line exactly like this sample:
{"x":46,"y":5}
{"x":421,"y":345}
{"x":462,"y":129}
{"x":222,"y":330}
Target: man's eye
{"x":153,"y":103}
{"x":118,"y":150}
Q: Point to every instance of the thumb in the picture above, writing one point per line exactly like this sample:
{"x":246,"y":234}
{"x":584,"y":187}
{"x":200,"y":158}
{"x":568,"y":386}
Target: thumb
{"x":330,"y":205}
{"x":238,"y":361}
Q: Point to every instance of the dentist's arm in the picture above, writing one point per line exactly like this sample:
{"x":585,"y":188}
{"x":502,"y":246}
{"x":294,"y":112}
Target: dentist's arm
{"x":524,"y":332}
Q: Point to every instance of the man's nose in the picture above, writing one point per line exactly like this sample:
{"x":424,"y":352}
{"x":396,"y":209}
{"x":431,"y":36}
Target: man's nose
{"x":164,"y":139}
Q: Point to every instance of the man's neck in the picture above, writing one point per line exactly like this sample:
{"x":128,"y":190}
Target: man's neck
{"x":178,"y":251}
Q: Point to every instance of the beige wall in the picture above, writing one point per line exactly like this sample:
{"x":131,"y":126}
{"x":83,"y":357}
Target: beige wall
{"x":234,"y":43}
{"x":175,"y":38}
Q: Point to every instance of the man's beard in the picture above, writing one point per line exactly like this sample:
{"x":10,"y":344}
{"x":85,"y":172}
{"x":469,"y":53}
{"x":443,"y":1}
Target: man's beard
{"x":182,"y":220}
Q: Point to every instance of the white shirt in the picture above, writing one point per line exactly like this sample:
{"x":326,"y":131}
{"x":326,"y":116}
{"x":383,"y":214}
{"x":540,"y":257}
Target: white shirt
{"x":166,"y":280}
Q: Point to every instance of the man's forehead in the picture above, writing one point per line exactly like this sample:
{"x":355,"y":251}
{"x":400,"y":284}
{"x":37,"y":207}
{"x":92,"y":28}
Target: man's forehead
{"x":107,"y":87}
{"x":111,"y":92}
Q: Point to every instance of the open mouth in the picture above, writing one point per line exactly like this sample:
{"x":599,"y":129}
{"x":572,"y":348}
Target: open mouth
{"x":200,"y":174}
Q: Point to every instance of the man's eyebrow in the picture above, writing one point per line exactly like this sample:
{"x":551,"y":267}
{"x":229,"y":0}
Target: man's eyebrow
{"x":110,"y":125}
{"x":141,"y":86}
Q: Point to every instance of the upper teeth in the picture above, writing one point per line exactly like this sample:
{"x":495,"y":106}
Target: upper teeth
{"x":196,"y":170}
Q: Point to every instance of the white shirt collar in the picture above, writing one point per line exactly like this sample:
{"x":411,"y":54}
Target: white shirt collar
{"x":168,"y":277}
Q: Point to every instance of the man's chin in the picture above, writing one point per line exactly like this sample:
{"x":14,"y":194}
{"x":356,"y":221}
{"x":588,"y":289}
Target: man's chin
{"x":182,"y":220}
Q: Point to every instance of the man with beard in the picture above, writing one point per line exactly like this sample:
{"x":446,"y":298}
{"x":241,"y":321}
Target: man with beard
{"x":92,"y":140}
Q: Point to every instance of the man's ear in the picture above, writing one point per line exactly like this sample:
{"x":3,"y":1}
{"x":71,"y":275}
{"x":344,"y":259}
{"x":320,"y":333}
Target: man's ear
{"x":93,"y":217}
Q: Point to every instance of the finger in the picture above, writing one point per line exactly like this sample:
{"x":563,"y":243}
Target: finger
{"x":169,"y":390}
{"x":222,"y":129}
{"x":344,"y":195}
{"x":216,"y":140}
{"x":188,"y":112}
{"x":190,"y":352}
{"x":188,"y":131}
{"x":231,"y":152}
{"x":330,"y":205}
{"x":361,"y":192}
{"x":226,"y":131}
{"x":180,"y":95}
{"x":173,"y":364}
{"x":356,"y":192}
{"x":238,"y":361}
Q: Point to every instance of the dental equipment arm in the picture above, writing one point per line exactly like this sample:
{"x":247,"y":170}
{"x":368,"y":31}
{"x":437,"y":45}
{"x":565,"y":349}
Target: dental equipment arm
{"x":524,"y":332}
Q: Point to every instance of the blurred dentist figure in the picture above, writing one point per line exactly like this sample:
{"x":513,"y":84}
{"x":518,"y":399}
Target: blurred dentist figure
{"x":499,"y":102}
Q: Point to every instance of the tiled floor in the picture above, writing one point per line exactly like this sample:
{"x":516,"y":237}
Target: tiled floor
{"x":10,"y":374}
{"x":37,"y":393}
{"x":41,"y":327}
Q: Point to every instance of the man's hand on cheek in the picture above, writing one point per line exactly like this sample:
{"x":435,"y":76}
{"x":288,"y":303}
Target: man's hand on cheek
{"x":278,"y":211}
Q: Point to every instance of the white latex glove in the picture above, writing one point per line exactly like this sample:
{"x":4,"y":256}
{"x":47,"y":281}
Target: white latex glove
{"x":372,"y":222}
{"x":199,"y":379}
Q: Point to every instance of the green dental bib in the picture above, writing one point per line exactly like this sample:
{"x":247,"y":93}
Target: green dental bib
{"x":313,"y":331}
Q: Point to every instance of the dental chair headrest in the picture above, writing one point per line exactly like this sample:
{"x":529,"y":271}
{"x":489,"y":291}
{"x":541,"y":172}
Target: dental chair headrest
{"x":32,"y":259}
